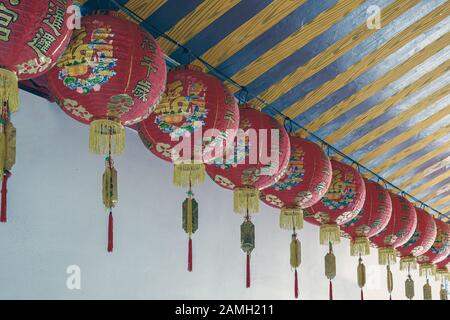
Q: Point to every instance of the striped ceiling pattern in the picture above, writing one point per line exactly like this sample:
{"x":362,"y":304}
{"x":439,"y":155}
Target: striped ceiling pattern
{"x":379,"y":95}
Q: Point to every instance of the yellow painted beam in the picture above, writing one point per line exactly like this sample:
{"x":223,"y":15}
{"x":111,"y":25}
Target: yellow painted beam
{"x":335,"y":51}
{"x":432,"y":197}
{"x":295,"y":41}
{"x":405,"y":135}
{"x":415,"y":163}
{"x":395,"y":122}
{"x":420,"y":175}
{"x":430,"y":183}
{"x":446,"y":211}
{"x":376,"y":57}
{"x":203,"y":15}
{"x":378,"y":110}
{"x":442,"y":201}
{"x":250,"y":30}
{"x":144,"y":8}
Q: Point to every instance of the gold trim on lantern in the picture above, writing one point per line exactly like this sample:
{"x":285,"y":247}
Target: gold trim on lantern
{"x":387,"y":256}
{"x":104,"y":133}
{"x":360,"y":246}
{"x":246,"y":199}
{"x":442,"y":274}
{"x":187,"y":174}
{"x":426,"y":269}
{"x":409,"y":262}
{"x":9,"y":89}
{"x":291,"y":218}
{"x":330,"y":233}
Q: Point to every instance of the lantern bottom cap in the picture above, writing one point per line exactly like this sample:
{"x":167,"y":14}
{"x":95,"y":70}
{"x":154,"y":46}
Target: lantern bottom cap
{"x":387,"y":256}
{"x":360,"y":246}
{"x":106,"y":134}
{"x":246,"y":200}
{"x":187,"y":174}
{"x":330,"y":233}
{"x":291,"y":218}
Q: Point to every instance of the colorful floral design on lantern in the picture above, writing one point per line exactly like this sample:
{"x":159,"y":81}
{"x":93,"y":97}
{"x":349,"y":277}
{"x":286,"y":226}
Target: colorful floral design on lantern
{"x":341,"y":193}
{"x":224,"y":182}
{"x":293,"y":173}
{"x":94,"y":59}
{"x":119,"y":105}
{"x":76,"y":109}
{"x":34,"y":66}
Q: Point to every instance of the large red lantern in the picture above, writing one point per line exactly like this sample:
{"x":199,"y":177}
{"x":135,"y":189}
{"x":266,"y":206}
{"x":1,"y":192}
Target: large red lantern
{"x":198,"y":113}
{"x":33,"y":34}
{"x":342,"y":202}
{"x":438,"y":252}
{"x":304,"y":182}
{"x":255,"y":161}
{"x":371,"y":220}
{"x":420,"y":242}
{"x":111,"y":75}
{"x":398,"y":231}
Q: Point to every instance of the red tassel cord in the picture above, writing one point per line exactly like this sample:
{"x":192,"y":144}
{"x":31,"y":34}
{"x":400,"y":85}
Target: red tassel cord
{"x":362,"y":295}
{"x":190,"y":255}
{"x":6,"y":176}
{"x":248,"y":272}
{"x":331,"y":290}
{"x":110,"y":232}
{"x":295,"y":284}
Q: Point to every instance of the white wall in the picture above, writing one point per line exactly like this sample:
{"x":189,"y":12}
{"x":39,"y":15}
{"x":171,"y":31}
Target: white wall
{"x":56,"y":219}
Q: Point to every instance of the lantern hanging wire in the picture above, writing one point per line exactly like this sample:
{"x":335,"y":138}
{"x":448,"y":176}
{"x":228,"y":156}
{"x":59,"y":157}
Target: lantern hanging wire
{"x":243,"y":93}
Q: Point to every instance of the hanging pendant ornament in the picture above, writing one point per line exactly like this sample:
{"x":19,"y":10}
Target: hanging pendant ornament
{"x":110,"y":196}
{"x":33,"y":34}
{"x":190,"y":222}
{"x":111,"y":75}
{"x":361,"y":271}
{"x":342,"y":202}
{"x":427,"y":291}
{"x":295,"y":259}
{"x":304,"y":182}
{"x":409,"y":287}
{"x":398,"y":231}
{"x":390,"y":281}
{"x":193,"y":104}
{"x":256,"y":160}
{"x":330,"y":268}
{"x":371,"y":220}
{"x":247,"y":245}
{"x":443,"y":294}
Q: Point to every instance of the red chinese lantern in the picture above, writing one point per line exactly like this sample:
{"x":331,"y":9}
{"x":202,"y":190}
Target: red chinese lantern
{"x":371,"y":220}
{"x":443,"y":274}
{"x":304,"y":182}
{"x":256,"y":160}
{"x":195,"y":115}
{"x":342,"y":202}
{"x":438,"y":252}
{"x":398,"y":231}
{"x":33,"y":34}
{"x":420,"y":242}
{"x":111,"y":75}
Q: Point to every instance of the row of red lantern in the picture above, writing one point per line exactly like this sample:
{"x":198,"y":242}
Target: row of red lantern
{"x":113,"y":74}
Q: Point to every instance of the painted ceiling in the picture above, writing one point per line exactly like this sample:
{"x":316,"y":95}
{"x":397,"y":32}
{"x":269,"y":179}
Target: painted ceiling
{"x":379,"y":95}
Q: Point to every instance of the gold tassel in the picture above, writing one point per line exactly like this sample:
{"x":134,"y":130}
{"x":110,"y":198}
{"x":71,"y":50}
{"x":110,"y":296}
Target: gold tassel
{"x":390,"y":280}
{"x":426,"y":269}
{"x":102,"y":132}
{"x":330,"y":263}
{"x":329,"y":233}
{"x":188,"y":174}
{"x":9,"y":90}
{"x":409,"y":287}
{"x":110,"y":194}
{"x":246,"y":200}
{"x":386,"y":256}
{"x":441,"y":274}
{"x":291,"y":218}
{"x":295,"y":252}
{"x":10,"y":157}
{"x":408,"y":263}
{"x":427,"y":293}
{"x":361,"y":274}
{"x":360,"y":246}
{"x":443,"y":293}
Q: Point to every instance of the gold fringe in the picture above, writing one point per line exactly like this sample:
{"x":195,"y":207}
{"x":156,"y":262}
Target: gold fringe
{"x":9,"y":89}
{"x":10,"y":157}
{"x":291,"y":218}
{"x":360,"y":246}
{"x":104,"y":131}
{"x":442,"y":274}
{"x":427,"y":293}
{"x":409,"y":262}
{"x":188,"y":174}
{"x":110,"y":194}
{"x":246,"y":199}
{"x":387,"y":256}
{"x":295,"y":252}
{"x":329,"y":233}
{"x":361,"y":271}
{"x":426,"y":269}
{"x":409,"y":288}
